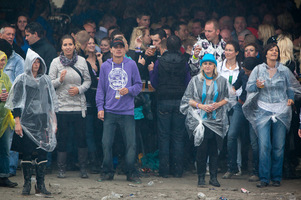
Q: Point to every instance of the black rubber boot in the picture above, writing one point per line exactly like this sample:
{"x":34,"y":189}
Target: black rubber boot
{"x":82,"y":159}
{"x":95,"y":168}
{"x":40,"y":176}
{"x":27,"y":172}
{"x":213,"y":180}
{"x":61,"y":164}
{"x":201,"y":180}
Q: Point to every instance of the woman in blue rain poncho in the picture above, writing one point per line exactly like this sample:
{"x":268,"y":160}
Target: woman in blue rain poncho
{"x":271,"y":89}
{"x":34,"y":102}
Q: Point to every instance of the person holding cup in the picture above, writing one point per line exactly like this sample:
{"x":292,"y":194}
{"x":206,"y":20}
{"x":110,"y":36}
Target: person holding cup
{"x":271,"y":88}
{"x":6,"y":125}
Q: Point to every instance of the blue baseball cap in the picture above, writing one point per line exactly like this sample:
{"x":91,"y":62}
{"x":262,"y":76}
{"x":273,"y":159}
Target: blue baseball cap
{"x":208,"y":57}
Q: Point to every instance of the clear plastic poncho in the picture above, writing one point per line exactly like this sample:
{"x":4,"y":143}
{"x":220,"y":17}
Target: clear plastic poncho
{"x":6,"y":118}
{"x":37,"y":100}
{"x":217,"y":121}
{"x":270,"y":102}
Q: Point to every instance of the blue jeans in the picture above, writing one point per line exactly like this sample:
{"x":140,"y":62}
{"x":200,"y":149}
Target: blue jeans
{"x":239,"y":126}
{"x":13,"y":156}
{"x":127,"y":127}
{"x":171,"y":131}
{"x":271,"y":140}
{"x":4,"y":153}
{"x":90,"y":132}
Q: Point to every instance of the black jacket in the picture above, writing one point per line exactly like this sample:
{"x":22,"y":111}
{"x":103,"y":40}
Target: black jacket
{"x":45,"y":50}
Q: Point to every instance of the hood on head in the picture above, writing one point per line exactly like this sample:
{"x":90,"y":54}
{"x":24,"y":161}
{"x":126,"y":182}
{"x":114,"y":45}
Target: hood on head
{"x":31,"y":56}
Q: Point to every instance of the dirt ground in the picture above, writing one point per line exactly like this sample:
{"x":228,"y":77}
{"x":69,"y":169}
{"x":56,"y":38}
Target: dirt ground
{"x":153,"y":187}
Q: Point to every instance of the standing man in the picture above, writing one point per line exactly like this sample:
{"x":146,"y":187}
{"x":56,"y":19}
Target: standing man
{"x":213,"y":44}
{"x":240,"y":25}
{"x":34,"y":33}
{"x":106,"y":22}
{"x":119,"y":83}
{"x":14,"y":67}
{"x":170,"y":76}
{"x":143,"y":19}
{"x":15,"y":63}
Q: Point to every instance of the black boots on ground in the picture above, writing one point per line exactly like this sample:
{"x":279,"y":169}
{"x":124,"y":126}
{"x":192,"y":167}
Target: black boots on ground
{"x":27,"y":172}
{"x":61,"y":164}
{"x":40,"y":177}
{"x":82,"y":160}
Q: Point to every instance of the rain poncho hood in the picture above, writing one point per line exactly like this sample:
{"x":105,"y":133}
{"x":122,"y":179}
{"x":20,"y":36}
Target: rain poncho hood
{"x":38,"y":103}
{"x":217,"y":121}
{"x":6,"y":118}
{"x":270,"y":102}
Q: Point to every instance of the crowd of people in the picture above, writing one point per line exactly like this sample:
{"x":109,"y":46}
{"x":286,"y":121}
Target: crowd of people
{"x":210,"y":84}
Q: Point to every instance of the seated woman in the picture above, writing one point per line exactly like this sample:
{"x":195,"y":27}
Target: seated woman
{"x":205,"y":104}
{"x":34,"y":103}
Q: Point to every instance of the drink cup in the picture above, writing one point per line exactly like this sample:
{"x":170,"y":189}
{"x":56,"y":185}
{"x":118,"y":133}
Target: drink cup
{"x":261,"y":80}
{"x":153,"y":48}
{"x":150,"y":87}
{"x":4,"y":90}
{"x":143,"y":85}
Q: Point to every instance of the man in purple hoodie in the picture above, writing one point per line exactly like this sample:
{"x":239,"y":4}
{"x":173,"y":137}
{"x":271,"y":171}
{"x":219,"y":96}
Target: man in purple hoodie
{"x":119,"y":83}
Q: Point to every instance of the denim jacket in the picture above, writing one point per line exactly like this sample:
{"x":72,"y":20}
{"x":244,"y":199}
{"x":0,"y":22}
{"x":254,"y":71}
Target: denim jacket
{"x":14,"y":66}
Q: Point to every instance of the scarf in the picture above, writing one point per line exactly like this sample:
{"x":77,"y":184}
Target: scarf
{"x":66,"y":61}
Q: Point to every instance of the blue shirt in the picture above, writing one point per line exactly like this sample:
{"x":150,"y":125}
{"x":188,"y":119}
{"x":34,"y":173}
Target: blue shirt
{"x":14,"y":66}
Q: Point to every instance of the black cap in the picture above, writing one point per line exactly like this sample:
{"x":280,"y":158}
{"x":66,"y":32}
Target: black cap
{"x":116,"y":42}
{"x":250,"y":63}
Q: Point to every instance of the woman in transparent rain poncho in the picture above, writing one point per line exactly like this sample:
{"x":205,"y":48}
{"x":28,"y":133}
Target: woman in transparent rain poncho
{"x":271,"y":88}
{"x":34,"y":102}
{"x":205,"y":104}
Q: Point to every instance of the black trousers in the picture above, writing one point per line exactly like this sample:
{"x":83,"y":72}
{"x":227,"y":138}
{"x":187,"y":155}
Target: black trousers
{"x":207,"y":148}
{"x":65,"y":121}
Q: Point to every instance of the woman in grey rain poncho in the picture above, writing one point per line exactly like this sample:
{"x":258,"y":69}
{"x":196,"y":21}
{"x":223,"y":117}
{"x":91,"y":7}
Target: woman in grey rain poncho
{"x":205,"y":104}
{"x":271,"y":88}
{"x":33,"y":101}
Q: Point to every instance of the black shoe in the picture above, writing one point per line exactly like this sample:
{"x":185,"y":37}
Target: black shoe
{"x":262,"y":184}
{"x":134,"y":179}
{"x":214,"y":182}
{"x":201,"y":181}
{"x":276,"y":183}
{"x":106,"y":177}
{"x":5,"y":182}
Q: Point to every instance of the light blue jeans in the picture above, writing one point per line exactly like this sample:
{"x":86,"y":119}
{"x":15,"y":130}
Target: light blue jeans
{"x":271,"y":141}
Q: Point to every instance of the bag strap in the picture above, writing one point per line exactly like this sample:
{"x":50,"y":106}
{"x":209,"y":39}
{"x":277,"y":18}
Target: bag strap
{"x":80,"y":74}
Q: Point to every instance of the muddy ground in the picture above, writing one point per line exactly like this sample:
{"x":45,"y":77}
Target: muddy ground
{"x":153,"y":187}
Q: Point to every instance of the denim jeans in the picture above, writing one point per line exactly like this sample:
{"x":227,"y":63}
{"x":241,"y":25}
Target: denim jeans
{"x":127,"y":127}
{"x":4,"y":153}
{"x":271,"y":140}
{"x":13,"y":156}
{"x":90,"y":132}
{"x":239,"y":126}
{"x":171,"y":131}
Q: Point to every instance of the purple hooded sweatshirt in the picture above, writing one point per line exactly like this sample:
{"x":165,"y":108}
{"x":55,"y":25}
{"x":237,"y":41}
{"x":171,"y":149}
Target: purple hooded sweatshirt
{"x":112,"y":77}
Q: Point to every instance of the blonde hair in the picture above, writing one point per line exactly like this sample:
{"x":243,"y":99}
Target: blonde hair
{"x":265,"y":31}
{"x":286,"y":48}
{"x":81,"y":38}
{"x":215,"y":73}
{"x":138,"y":32}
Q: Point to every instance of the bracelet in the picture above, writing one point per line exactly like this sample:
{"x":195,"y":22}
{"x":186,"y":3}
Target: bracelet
{"x":194,"y":57}
{"x":197,"y":105}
